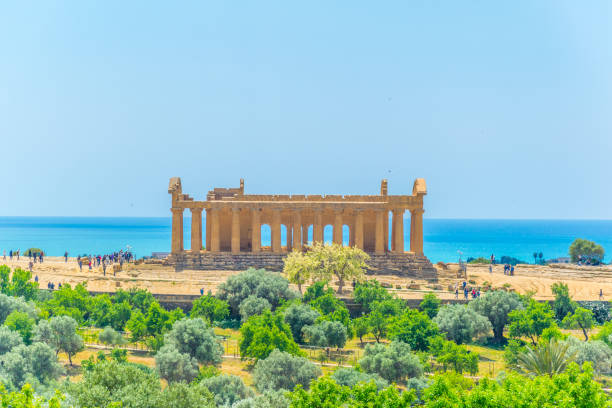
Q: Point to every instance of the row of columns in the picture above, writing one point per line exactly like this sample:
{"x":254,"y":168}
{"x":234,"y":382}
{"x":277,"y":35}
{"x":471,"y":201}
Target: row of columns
{"x":296,"y":236}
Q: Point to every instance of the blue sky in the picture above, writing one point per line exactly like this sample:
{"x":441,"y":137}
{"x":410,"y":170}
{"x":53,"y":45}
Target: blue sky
{"x":504,"y":107}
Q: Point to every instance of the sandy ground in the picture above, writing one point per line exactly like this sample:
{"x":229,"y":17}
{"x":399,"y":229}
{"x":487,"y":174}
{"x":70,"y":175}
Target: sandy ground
{"x":584,"y":282}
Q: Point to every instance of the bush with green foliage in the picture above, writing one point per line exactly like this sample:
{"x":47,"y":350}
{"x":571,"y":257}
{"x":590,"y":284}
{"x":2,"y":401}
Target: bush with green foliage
{"x":299,"y":268}
{"x":530,"y":321}
{"x":495,"y":306}
{"x":34,"y":364}
{"x":174,"y":366}
{"x":316,"y":290}
{"x":333,"y":309}
{"x":110,"y":336}
{"x":196,"y":339}
{"x":414,"y":328}
{"x":361,"y":325}
{"x":586,"y":251}
{"x":350,"y":377}
{"x":255,"y":282}
{"x":26,"y":398}
{"x":572,"y":389}
{"x":283,"y":371}
{"x":370,"y":291}
{"x":299,"y":315}
{"x":9,"y":304}
{"x":227,"y":389}
{"x":9,"y":339}
{"x":455,"y":357}
{"x":326,"y":334}
{"x":430,"y":304}
{"x":325,"y":392}
{"x":563,"y":304}
{"x":600,"y":309}
{"x":276,"y":399}
{"x":253,"y":305}
{"x":210,"y":309}
{"x":548,"y":358}
{"x":480,"y":260}
{"x":461,"y":324}
{"x":394,"y":362}
{"x":20,"y":283}
{"x":596,"y":352}
{"x":261,"y":334}
{"x":22,"y":323}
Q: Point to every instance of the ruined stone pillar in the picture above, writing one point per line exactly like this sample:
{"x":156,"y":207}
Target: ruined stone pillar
{"x":276,"y":231}
{"x":289,"y":237}
{"x":256,"y":231}
{"x":177,"y":230}
{"x":235,"y":230}
{"x":305,"y":235}
{"x":398,"y":230}
{"x":208,"y":229}
{"x":380,"y":232}
{"x":297,"y":230}
{"x":215,"y":239}
{"x":196,"y":230}
{"x":416,"y":240}
{"x":359,"y":229}
{"x":337,"y":233}
{"x":317,"y":228}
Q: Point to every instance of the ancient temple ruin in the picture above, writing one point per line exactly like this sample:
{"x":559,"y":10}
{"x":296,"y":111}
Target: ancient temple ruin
{"x":234,"y":222}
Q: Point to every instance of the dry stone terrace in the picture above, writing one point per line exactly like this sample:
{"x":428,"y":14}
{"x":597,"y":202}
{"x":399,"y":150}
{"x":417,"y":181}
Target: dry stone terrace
{"x":234,"y":221}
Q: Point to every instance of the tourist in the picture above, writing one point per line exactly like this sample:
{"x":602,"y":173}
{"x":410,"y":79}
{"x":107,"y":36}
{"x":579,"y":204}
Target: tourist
{"x":201,"y":291}
{"x":18,"y":251}
{"x":5,"y":254}
{"x":600,"y":294}
{"x":456,"y":292}
{"x":465,"y":293}
{"x":66,"y":256}
{"x":512,"y":270}
{"x":11,"y":254}
{"x":36,"y":279}
{"x":490,"y":268}
{"x":31,"y":264}
{"x":59,"y":285}
{"x":90,"y":264}
{"x":492,"y":259}
{"x":80,"y":265}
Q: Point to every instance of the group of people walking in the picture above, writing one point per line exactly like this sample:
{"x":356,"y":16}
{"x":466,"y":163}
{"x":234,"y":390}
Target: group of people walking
{"x":467,"y":292}
{"x":92,"y":261}
{"x":12,"y":254}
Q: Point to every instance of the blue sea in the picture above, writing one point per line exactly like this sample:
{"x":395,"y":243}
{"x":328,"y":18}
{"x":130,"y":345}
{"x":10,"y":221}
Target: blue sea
{"x":445,"y":239}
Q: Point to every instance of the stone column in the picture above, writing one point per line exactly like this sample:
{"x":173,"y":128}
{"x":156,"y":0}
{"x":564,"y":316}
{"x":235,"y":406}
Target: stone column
{"x":196,"y":230}
{"x":297,"y":230}
{"x":304,"y":235}
{"x":317,"y":228}
{"x":235,"y":230}
{"x":177,"y":230}
{"x":337,"y":234}
{"x":289,"y":237}
{"x":416,"y":240}
{"x":208,"y":233}
{"x":215,"y":239}
{"x":380,"y":231}
{"x":256,"y":233}
{"x":398,"y":230}
{"x":276,"y":231}
{"x":359,"y":229}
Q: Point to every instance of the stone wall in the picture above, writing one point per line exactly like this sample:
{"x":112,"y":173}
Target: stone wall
{"x":406,"y":264}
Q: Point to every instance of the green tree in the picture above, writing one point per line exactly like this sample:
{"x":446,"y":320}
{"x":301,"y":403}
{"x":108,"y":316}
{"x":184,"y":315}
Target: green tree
{"x":5,"y":275}
{"x":299,"y":315}
{"x":253,"y":305}
{"x":9,"y":304}
{"x":368,"y":292}
{"x":194,"y":338}
{"x":430,"y":304}
{"x":70,"y":302}
{"x":326,"y":334}
{"x":582,"y":249}
{"x":531,"y":321}
{"x":394,"y":363}
{"x":210,"y":309}
{"x":110,"y":336}
{"x":496,"y":306}
{"x":378,"y":324}
{"x":22,"y":284}
{"x":22,"y":323}
{"x":174,"y":366}
{"x":345,"y":263}
{"x":9,"y":339}
{"x":227,"y":389}
{"x":414,"y":328}
{"x":25,"y":398}
{"x":350,"y":377}
{"x":137,"y":326}
{"x":261,"y":334}
{"x":595,"y":352}
{"x":581,"y":318}
{"x":34,"y":363}
{"x":283,"y":371}
{"x":563,"y":304}
{"x":362,"y":327}
{"x":454,"y":356}
{"x":258,"y":282}
{"x":461,"y":324}
{"x":60,"y":334}
{"x":333,"y":309}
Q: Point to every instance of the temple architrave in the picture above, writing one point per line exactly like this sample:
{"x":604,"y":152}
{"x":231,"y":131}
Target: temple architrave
{"x":234,"y":222}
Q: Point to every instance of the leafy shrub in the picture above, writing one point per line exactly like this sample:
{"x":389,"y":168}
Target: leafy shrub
{"x":253,"y":305}
{"x":299,"y":315}
{"x":227,"y":389}
{"x":394,"y":362}
{"x":351,"y":377}
{"x":283,"y":371}
{"x":461,"y":324}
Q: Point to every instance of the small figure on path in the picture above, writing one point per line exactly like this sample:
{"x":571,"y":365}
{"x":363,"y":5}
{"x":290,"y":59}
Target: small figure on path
{"x":512,"y":270}
{"x":600,"y":294}
{"x":30,"y":265}
{"x":490,"y":268}
{"x":66,"y":256}
{"x":5,"y":254}
{"x":492,"y":259}
{"x":104,"y":268}
{"x":36,"y":279}
{"x":456,"y":292}
{"x":201,"y":291}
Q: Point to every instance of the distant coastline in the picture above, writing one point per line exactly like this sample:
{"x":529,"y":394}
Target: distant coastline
{"x":444,"y":238}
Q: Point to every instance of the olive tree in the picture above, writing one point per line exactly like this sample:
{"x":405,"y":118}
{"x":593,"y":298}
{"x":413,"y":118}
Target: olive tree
{"x":8,"y":304}
{"x":36,"y":362}
{"x":227,"y":389}
{"x":174,"y":366}
{"x":496,"y":306}
{"x":281,"y":370}
{"x":194,"y":338}
{"x":326,"y":334}
{"x":345,"y":263}
{"x":394,"y":362}
{"x":60,"y":334}
{"x":299,"y":268}
{"x":8,"y":339}
{"x":461,"y":323}
{"x":299,"y":315}
{"x":110,"y":336}
{"x":350,"y":377}
{"x":253,"y":305}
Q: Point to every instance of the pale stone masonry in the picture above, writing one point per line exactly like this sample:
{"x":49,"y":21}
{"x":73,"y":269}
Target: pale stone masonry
{"x":234,"y":220}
